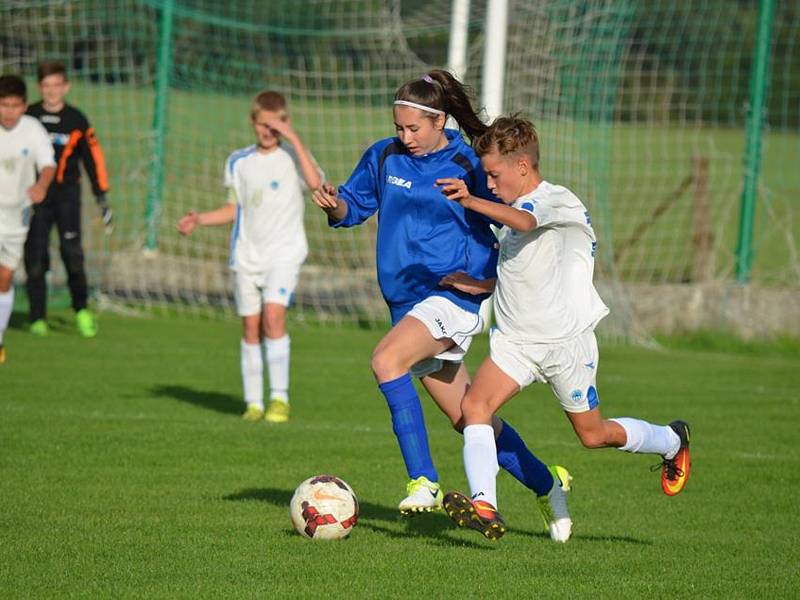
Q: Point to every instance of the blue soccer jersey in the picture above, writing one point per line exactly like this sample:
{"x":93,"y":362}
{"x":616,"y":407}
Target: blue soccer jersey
{"x":422,"y":236}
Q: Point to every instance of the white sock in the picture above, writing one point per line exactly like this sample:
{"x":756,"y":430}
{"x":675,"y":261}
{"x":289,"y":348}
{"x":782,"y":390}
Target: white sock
{"x":253,"y":374}
{"x":6,"y":304}
{"x":480,"y":462}
{"x":277,"y":351}
{"x":646,"y":438}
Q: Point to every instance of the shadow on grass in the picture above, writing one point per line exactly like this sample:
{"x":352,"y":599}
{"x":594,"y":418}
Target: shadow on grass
{"x":57,"y":323}
{"x":18,"y":320}
{"x":434,"y":527}
{"x":586,"y":538}
{"x":223,"y":403}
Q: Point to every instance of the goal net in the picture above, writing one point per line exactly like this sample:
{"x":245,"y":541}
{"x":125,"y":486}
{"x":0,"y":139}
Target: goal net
{"x":641,"y":108}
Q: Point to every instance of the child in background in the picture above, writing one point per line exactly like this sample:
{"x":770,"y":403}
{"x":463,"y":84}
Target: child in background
{"x":25,"y":150}
{"x":268,"y":246}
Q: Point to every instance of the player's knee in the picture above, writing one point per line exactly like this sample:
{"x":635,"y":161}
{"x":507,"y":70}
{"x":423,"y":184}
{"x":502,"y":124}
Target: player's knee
{"x":383,"y":363}
{"x":475,"y":409}
{"x":34,"y":269}
{"x":72,"y":253}
{"x":250,"y":333}
{"x":274,"y":327}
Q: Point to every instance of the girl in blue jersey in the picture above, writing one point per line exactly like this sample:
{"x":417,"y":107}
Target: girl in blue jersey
{"x":423,"y":237}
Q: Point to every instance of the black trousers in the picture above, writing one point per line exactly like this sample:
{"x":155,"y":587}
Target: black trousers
{"x":61,"y":207}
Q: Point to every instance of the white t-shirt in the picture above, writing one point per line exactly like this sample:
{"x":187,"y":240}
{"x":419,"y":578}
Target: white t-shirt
{"x":23,"y":150}
{"x":268,"y":192}
{"x":544,"y":288}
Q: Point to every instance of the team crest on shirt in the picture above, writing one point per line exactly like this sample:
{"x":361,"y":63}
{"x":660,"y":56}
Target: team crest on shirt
{"x":274,"y":185}
{"x":398,"y":181}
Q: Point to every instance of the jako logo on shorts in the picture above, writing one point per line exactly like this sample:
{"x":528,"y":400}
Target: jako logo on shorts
{"x":438,"y":321}
{"x":398,"y":181}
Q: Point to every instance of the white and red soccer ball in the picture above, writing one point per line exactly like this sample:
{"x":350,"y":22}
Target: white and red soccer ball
{"x":324,"y":507}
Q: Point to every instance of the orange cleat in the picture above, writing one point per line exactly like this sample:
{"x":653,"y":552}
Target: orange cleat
{"x":675,"y":470}
{"x":475,"y":514}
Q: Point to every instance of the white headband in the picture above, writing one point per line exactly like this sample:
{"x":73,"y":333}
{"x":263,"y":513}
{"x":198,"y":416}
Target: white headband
{"x":435,"y":111}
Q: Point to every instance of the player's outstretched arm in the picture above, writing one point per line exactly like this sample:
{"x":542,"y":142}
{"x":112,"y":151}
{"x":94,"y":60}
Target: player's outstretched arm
{"x":467,"y":284}
{"x":220,"y":216}
{"x":327,"y":199}
{"x":456,"y":189}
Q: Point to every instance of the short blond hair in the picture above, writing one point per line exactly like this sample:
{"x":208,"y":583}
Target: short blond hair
{"x":511,"y":135}
{"x":267,"y":100}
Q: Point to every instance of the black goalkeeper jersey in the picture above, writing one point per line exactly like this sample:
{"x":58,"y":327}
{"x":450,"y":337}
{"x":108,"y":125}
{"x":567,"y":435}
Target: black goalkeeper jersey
{"x":73,"y":141}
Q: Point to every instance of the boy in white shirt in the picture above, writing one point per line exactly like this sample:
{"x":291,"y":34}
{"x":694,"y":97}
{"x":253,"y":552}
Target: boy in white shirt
{"x":265,"y":184}
{"x":25,"y":150}
{"x":546,"y":309}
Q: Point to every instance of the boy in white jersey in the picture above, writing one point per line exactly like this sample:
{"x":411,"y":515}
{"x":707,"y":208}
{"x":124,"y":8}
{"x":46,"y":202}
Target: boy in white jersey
{"x":546,"y":309}
{"x":25,"y":149}
{"x":265,"y":184}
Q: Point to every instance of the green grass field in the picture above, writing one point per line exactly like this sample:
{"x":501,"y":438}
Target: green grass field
{"x":127,"y":472}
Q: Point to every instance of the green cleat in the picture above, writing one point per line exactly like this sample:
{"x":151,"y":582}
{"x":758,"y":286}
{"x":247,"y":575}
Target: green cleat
{"x":40,"y":328}
{"x":424,"y":495}
{"x":277,"y":412}
{"x":253,"y":413}
{"x":553,"y":506}
{"x":87,"y":325}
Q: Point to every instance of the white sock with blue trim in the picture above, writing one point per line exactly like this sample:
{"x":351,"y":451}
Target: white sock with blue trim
{"x":646,"y":438}
{"x":6,"y":306}
{"x":277,"y":351}
{"x":480,"y":462}
{"x":252,"y":374}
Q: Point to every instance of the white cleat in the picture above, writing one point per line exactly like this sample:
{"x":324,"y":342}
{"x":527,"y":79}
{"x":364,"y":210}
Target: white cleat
{"x":553,"y":506}
{"x":423,"y":496}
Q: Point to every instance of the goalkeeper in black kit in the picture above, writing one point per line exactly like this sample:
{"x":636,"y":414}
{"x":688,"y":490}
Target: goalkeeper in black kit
{"x":74,"y":142}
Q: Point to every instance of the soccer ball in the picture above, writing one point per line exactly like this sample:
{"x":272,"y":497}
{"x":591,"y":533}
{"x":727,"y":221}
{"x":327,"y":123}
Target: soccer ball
{"x":324,"y":508}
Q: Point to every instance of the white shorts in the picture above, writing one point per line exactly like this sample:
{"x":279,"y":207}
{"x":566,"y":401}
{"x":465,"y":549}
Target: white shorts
{"x":569,"y":367}
{"x":11,"y":249}
{"x":444,"y":319}
{"x":274,"y":286}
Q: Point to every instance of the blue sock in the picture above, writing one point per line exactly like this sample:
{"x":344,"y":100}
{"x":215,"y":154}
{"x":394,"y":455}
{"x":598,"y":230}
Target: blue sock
{"x":408,"y":424}
{"x":513,"y":455}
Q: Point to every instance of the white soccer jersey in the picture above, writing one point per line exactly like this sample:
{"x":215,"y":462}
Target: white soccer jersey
{"x":544,"y":289}
{"x":268,"y":191}
{"x":23,"y":150}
